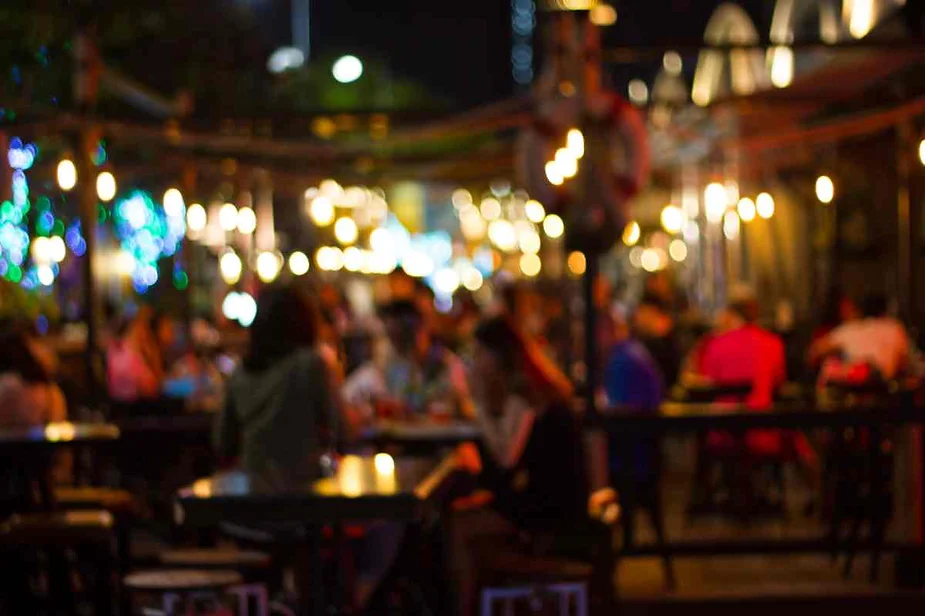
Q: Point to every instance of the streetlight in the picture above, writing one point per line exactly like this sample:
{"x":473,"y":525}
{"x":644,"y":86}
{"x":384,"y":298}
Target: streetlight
{"x":347,"y":69}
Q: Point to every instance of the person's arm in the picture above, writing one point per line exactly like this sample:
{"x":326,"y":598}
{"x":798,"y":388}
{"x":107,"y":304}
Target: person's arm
{"x":460,"y":384}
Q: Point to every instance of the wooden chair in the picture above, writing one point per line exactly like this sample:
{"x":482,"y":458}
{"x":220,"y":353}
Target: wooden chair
{"x":42,"y":545}
{"x":183,"y":588}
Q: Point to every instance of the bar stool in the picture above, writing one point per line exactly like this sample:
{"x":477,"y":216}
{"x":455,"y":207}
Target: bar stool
{"x":185,"y":589}
{"x":524,"y":576}
{"x":251,"y":564}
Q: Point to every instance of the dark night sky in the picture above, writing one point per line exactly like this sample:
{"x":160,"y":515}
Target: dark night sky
{"x":462,"y":48}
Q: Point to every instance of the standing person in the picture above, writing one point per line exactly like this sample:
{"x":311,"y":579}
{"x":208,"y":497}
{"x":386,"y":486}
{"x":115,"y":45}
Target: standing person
{"x":280,"y":412}
{"x":877,"y":340}
{"x":531,"y":460}
{"x":421,"y":376}
{"x":655,"y":326}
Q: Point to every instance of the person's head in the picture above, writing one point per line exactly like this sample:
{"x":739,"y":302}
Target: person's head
{"x":653,"y":317}
{"x":286,"y":321}
{"x":17,"y":356}
{"x":874,"y":306}
{"x":507,"y":363}
{"x":839,"y":308}
{"x":406,"y":327}
{"x":741,"y":309}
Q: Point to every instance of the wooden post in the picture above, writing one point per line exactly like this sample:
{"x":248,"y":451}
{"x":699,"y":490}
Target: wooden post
{"x":905,"y":283}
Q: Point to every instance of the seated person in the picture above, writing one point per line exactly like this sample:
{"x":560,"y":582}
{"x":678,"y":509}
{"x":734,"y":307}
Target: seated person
{"x":28,"y":395}
{"x":280,"y":412}
{"x":531,"y":461}
{"x":875,"y":346}
{"x":134,"y":366}
{"x":418,"y":377}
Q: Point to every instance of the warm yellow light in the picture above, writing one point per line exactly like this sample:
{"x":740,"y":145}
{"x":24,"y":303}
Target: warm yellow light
{"x":490,"y":209}
{"x":638,"y":91}
{"x":105,"y":186}
{"x":535,"y":212}
{"x":247,"y":221}
{"x":731,"y":225}
{"x":417,"y":264}
{"x":566,"y":163}
{"x":472,"y":279}
{"x":825,"y":189}
{"x":530,"y":265}
{"x":672,"y":63}
{"x":672,"y":218}
{"x":650,"y":260}
{"x":577,"y":263}
{"x":746,"y":209}
{"x":56,"y":249}
{"x":196,"y":218}
{"x":553,"y":174}
{"x":472,"y":224}
{"x":353,"y":259}
{"x":922,"y":151}
{"x":529,"y":241}
{"x":575,"y":143}
{"x":862,"y":17}
{"x":461,"y":198}
{"x":503,"y":235}
{"x":345,"y":230}
{"x":173,"y":203}
{"x":384,"y":463}
{"x":41,"y":250}
{"x":553,"y":226}
{"x":764,"y":204}
{"x":329,"y":258}
{"x":67,"y":174}
{"x":631,"y":233}
{"x":299,"y":263}
{"x":603,"y":15}
{"x":321,"y":211}
{"x":228,"y":217}
{"x":230,"y":267}
{"x":781,"y":66}
{"x":446,"y":281}
{"x":714,"y":200}
{"x":677,"y":249}
{"x":125,"y":263}
{"x":268,"y":266}
{"x":46,"y":275}
{"x":381,"y":240}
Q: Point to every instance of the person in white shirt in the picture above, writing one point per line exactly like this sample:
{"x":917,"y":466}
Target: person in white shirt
{"x":877,"y":340}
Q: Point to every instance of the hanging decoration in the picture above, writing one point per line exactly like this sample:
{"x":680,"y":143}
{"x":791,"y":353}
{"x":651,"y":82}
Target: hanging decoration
{"x":147,"y":233}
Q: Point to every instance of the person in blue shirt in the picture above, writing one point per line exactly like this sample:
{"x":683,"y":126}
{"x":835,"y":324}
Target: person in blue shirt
{"x":634,"y":384}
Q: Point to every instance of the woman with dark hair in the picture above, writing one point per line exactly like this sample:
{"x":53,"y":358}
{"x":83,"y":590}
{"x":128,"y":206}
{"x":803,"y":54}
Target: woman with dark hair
{"x":280,"y":412}
{"x":28,"y":395}
{"x":531,"y":460}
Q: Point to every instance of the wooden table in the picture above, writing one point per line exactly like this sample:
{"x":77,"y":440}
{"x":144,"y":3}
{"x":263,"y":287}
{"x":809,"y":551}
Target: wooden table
{"x":420,"y":435}
{"x":363,"y":488}
{"x":61,"y":434}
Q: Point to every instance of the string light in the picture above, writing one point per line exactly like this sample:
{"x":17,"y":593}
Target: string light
{"x":490,"y":209}
{"x":553,"y":226}
{"x":247,"y":221}
{"x":502,"y":234}
{"x":67,"y":174}
{"x":268,"y":266}
{"x":530,"y":265}
{"x":764,"y":204}
{"x":535,"y":212}
{"x":577,"y":263}
{"x":631,"y":233}
{"x":230,"y":267}
{"x":299,"y":263}
{"x":672,"y":219}
{"x":173,"y":202}
{"x":553,"y":174}
{"x":825,"y":189}
{"x":105,"y":186}
{"x":472,"y":279}
{"x":714,"y":199}
{"x":329,"y":258}
{"x":228,"y":217}
{"x":731,"y":225}
{"x":196,"y":218}
{"x":575,"y":143}
{"x":677,"y":249}
{"x":321,"y":211}
{"x":922,"y":151}
{"x":746,"y":209}
{"x":345,"y":230}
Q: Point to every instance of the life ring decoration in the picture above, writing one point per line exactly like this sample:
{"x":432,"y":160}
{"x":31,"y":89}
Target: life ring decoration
{"x":609,"y":175}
